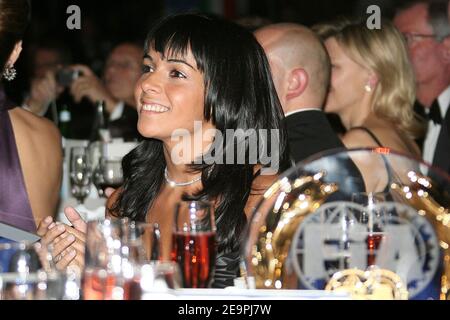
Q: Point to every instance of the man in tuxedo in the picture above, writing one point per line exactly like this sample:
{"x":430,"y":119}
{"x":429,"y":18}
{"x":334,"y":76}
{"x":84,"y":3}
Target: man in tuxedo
{"x":301,"y":72}
{"x":116,"y":89}
{"x":426,"y":28}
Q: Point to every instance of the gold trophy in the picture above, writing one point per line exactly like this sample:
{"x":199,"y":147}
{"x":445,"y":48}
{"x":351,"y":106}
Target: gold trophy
{"x":419,"y":195}
{"x":274,"y":237}
{"x":300,"y":193}
{"x":376,"y":284}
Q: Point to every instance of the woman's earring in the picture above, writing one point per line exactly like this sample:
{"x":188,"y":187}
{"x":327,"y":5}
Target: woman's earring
{"x":368,"y":88}
{"x":9,"y":73}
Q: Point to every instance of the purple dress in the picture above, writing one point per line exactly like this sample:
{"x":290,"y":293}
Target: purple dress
{"x":15,"y":206}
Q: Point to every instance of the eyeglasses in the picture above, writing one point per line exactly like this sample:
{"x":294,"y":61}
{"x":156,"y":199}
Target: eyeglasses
{"x":411,"y":38}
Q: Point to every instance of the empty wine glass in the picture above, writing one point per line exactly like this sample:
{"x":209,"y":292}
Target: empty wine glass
{"x":26,"y":273}
{"x":102,"y":278}
{"x":80,"y":173}
{"x":194,"y":242}
{"x":108,"y":173}
{"x":142,"y":242}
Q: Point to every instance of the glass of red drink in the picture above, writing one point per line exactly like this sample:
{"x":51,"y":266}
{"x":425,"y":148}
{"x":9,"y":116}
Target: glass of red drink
{"x":108,"y":174}
{"x":194,"y":243}
{"x":372,"y":217}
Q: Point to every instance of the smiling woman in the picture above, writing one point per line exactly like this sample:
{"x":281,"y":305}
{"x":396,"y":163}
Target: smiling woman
{"x":170,"y":94}
{"x":184,"y":55}
{"x":207,"y":70}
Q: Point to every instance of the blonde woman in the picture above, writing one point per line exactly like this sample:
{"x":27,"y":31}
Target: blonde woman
{"x":372,"y":87}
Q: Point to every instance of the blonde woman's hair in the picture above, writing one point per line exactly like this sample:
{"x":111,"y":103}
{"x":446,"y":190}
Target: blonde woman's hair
{"x":384,"y":52}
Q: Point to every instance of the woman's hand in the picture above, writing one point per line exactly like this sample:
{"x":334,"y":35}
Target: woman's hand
{"x":67,"y":243}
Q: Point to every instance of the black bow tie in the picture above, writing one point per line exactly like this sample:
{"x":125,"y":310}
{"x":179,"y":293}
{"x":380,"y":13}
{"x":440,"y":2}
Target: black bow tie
{"x":435,"y":113}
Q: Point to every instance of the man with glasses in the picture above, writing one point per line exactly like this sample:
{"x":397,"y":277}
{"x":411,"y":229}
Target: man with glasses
{"x":425,"y":25}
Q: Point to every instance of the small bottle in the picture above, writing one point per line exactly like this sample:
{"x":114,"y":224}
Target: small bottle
{"x":100,"y":137}
{"x":100,"y":130}
{"x":64,"y":118}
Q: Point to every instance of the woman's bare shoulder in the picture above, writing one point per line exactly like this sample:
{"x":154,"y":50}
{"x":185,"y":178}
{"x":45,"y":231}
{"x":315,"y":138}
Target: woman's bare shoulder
{"x":37,"y":128}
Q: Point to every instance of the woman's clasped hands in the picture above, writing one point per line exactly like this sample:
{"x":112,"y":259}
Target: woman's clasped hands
{"x":65,"y":242}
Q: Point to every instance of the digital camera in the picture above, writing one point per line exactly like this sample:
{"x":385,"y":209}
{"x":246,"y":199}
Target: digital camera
{"x":66,"y":76}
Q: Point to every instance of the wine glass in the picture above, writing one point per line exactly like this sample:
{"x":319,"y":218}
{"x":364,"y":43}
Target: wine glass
{"x":108,"y":173}
{"x":120,"y":261}
{"x":371,"y":217}
{"x":102,"y":277}
{"x":27,"y":273}
{"x":142,"y":241}
{"x":80,"y":173}
{"x":144,"y":274}
{"x":194,"y":243}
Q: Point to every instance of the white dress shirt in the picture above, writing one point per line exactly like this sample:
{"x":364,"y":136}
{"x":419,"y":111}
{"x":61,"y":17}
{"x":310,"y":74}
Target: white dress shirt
{"x":117,"y":112}
{"x":301,"y":110}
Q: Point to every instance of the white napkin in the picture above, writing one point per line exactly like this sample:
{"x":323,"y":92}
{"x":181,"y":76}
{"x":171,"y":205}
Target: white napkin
{"x":92,"y":209}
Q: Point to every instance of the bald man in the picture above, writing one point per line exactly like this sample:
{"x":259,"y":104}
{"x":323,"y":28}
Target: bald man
{"x":301,"y":73}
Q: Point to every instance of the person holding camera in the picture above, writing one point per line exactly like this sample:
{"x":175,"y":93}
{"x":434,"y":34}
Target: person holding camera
{"x":45,"y":57}
{"x":77,"y":88}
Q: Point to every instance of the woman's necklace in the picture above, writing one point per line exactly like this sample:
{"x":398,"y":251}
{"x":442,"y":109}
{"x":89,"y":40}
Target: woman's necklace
{"x":178,"y":184}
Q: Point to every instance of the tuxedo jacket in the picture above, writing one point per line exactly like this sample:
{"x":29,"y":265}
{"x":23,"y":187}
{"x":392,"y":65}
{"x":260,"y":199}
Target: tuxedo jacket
{"x":126,"y":126}
{"x":309,"y":132}
{"x":441,"y":158}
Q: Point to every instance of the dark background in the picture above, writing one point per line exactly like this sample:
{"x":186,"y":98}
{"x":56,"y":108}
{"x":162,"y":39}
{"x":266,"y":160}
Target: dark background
{"x":105,"y":23}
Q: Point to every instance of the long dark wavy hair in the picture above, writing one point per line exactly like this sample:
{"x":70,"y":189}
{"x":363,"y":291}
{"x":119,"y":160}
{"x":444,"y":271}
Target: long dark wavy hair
{"x":240,"y":95}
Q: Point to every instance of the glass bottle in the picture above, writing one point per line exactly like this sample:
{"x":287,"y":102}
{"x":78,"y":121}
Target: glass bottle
{"x":64,"y":118}
{"x":100,"y":137}
{"x":100,"y":131}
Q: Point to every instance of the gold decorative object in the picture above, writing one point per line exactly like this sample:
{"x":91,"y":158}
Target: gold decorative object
{"x":376,"y":284}
{"x":298,"y":199}
{"x":298,"y":194}
{"x":419,"y":195}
